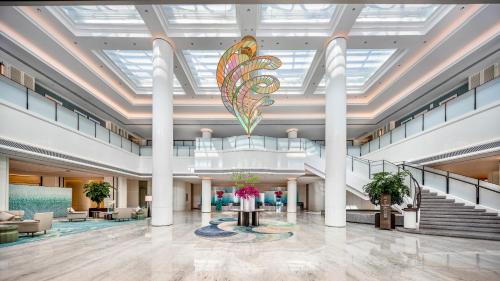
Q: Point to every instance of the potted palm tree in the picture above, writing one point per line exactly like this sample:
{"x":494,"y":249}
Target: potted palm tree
{"x":386,"y":189}
{"x":97,"y":192}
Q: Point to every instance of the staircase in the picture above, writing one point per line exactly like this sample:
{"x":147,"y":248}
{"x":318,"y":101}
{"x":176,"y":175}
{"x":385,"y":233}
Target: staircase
{"x":445,"y":217}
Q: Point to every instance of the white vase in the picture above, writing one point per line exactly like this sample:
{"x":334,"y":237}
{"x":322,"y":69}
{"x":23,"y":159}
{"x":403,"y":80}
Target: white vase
{"x":248,"y":205}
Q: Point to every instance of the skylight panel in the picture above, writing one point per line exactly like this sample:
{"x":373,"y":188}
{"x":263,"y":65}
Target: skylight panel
{"x":397,"y":13}
{"x":137,"y":66}
{"x":200,"y":20}
{"x":103,"y":15}
{"x":363,"y":63}
{"x":296,"y":13}
{"x":200,"y":14}
{"x":203,"y":65}
{"x":293,"y":71}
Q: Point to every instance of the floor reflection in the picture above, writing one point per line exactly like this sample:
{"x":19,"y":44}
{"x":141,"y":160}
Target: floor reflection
{"x":314,"y":252}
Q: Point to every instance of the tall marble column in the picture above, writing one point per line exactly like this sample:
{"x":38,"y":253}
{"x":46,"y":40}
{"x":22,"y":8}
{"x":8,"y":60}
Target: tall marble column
{"x":122,"y":192}
{"x":206,"y":195}
{"x":4,"y":183}
{"x":163,"y":59}
{"x":316,"y":196}
{"x":291,"y":206}
{"x":335,"y":133}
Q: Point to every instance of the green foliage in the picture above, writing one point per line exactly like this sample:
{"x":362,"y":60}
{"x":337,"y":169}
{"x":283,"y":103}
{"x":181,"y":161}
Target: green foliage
{"x":387,"y":183}
{"x":243,"y":179}
{"x":97,"y":191}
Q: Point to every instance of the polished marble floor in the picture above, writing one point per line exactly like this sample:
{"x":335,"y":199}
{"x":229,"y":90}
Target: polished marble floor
{"x":314,"y":252}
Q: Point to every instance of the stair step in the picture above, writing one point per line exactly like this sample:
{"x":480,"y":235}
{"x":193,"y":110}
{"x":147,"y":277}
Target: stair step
{"x":450,"y":207}
{"x":452,"y":210}
{"x":435,"y":197}
{"x":445,"y":204}
{"x":461,"y":216}
{"x":451,"y":233}
{"x":489,"y":224}
{"x":461,"y":228}
{"x":483,"y":219}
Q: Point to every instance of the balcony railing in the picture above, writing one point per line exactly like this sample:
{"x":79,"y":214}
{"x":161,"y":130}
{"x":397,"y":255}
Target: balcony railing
{"x":481,"y":96}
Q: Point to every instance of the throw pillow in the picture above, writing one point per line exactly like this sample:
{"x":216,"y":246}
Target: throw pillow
{"x":4,"y":216}
{"x":137,"y":209}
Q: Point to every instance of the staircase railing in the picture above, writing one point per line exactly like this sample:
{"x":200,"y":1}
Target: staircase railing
{"x":368,"y":168}
{"x":466,"y":188}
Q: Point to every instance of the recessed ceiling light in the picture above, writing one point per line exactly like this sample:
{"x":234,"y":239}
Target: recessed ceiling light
{"x":220,"y":43}
{"x":76,"y":43}
{"x":399,"y":65}
{"x":134,"y":43}
{"x":192,"y":44}
{"x":463,"y":7}
{"x":251,"y":29}
{"x":354,"y":9}
{"x":307,"y":43}
{"x":365,"y":42}
{"x":425,"y":42}
{"x":105,"y":43}
{"x":39,"y":10}
{"x":248,"y":10}
{"x":146,"y":11}
{"x":277,"y":43}
{"x":394,"y":42}
{"x":102,"y":66}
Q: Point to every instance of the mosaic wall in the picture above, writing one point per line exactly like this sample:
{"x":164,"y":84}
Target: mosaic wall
{"x":37,"y":199}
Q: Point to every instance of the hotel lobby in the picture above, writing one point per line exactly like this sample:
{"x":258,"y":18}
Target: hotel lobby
{"x":258,"y":140}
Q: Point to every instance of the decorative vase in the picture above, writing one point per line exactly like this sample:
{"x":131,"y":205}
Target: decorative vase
{"x":248,"y":205}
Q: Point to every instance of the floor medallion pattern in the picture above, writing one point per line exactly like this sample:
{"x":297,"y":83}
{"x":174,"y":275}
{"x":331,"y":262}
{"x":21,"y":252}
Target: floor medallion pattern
{"x":227,"y":230}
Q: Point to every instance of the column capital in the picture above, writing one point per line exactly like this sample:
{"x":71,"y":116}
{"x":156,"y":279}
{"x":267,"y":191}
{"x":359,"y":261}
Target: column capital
{"x":206,"y":133}
{"x":292,"y":133}
{"x":292,"y":179}
{"x":335,"y":36}
{"x":166,"y":39}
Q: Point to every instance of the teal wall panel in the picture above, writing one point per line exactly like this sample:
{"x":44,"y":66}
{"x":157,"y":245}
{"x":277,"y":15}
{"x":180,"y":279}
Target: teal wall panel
{"x":37,"y":199}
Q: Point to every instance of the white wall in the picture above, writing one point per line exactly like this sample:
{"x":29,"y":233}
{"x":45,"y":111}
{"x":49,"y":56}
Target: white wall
{"x":474,"y":128}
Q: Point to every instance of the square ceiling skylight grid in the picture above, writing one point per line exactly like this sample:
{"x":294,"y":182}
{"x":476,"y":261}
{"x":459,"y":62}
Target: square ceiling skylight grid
{"x":295,"y":19}
{"x":296,"y":63}
{"x":294,"y":68}
{"x":102,"y":20}
{"x":200,"y":20}
{"x":402,"y":19}
{"x":137,"y":67}
{"x":361,"y":66}
{"x":203,"y":66}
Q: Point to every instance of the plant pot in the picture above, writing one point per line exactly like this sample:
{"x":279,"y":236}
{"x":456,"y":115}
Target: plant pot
{"x":385,"y":211}
{"x":247,"y":205}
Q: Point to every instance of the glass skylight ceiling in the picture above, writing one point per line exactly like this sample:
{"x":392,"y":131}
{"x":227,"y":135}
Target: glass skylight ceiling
{"x":362,"y":64}
{"x":402,"y":19}
{"x":203,"y":65}
{"x":103,"y":15}
{"x":295,"y":65}
{"x":296,"y":13}
{"x":397,"y":13}
{"x":137,"y":66}
{"x":201,"y":20}
{"x":295,"y":19}
{"x":102,"y":20}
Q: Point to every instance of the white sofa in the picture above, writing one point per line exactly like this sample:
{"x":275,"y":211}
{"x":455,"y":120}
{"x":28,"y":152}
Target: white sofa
{"x":120,"y":214}
{"x":40,"y":222}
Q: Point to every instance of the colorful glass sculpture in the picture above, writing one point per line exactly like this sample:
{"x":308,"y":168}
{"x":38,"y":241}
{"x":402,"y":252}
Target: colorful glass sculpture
{"x":244,"y":90}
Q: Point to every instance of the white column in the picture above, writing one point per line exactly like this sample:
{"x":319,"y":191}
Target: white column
{"x":206,"y":133}
{"x":122,"y":192}
{"x":335,"y":133}
{"x":316,"y":196}
{"x":291,"y":189}
{"x":292,"y":133}
{"x":4,"y":183}
{"x":149,"y":187}
{"x":162,"y":211}
{"x":206,"y":195}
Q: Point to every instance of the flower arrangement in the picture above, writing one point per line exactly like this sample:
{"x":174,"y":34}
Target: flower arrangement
{"x":220,"y":193}
{"x":247,"y":192}
{"x":278,"y":193}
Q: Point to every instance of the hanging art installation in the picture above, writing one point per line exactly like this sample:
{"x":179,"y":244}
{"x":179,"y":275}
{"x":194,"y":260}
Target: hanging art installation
{"x":244,"y":90}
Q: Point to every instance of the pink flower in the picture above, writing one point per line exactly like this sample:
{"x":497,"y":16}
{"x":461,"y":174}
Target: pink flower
{"x":247,"y":192}
{"x":278,"y":193}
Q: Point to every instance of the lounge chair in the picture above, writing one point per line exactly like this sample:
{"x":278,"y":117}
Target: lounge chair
{"x":121,"y":214}
{"x":76,"y":215}
{"x":40,"y":222}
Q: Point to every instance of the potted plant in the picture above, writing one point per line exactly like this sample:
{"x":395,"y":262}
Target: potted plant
{"x":97,"y":191}
{"x":218,"y":204}
{"x":386,"y":189}
{"x":247,"y":192}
